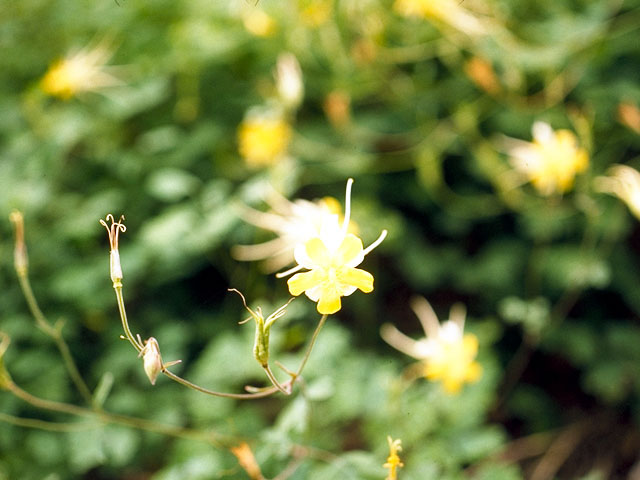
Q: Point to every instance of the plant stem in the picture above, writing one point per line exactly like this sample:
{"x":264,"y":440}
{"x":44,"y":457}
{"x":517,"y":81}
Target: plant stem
{"x":274,"y":380}
{"x":56,"y":335}
{"x":311,"y":344}
{"x":123,"y":317}
{"x":114,"y":418}
{"x":193,"y":386}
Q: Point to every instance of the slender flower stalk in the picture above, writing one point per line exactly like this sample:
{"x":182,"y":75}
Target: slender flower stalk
{"x":21,"y":260}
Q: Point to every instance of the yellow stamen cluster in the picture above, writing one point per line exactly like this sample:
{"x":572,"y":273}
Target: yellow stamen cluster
{"x":393,"y":460}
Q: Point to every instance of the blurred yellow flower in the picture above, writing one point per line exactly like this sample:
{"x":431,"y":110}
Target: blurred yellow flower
{"x":450,"y":12}
{"x":330,"y":259}
{"x":79,"y":72}
{"x":316,"y":12}
{"x":393,"y":460}
{"x":446,"y":353}
{"x":258,"y":22}
{"x":263,"y":138}
{"x":623,"y":182}
{"x":551,"y":161}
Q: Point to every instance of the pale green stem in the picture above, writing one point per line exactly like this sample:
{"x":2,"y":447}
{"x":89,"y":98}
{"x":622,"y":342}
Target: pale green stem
{"x":193,"y":386}
{"x":117,"y":286}
{"x":45,"y":425}
{"x":114,"y":418}
{"x":56,"y":335}
{"x":274,"y":380}
{"x":311,"y":344}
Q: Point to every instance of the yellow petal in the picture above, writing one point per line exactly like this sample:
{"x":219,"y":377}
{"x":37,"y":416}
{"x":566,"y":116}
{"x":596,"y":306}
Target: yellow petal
{"x":301,"y":282}
{"x":470,"y":345}
{"x":350,"y":248}
{"x":317,"y":251}
{"x":329,"y":301}
{"x":357,"y":278}
{"x":474,"y":372}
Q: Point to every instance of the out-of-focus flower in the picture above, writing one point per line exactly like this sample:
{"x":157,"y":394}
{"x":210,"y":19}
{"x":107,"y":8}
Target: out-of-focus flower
{"x":629,"y":115}
{"x":294,"y":222}
{"x":481,"y":72}
{"x":263,"y":138}
{"x":79,"y":72}
{"x":551,"y":161}
{"x":315,"y":13}
{"x":258,"y":22}
{"x":450,"y":12}
{"x":330,"y":259}
{"x":289,"y":81}
{"x":623,"y":182}
{"x":393,"y":460}
{"x":447,"y":354}
{"x":337,"y":107}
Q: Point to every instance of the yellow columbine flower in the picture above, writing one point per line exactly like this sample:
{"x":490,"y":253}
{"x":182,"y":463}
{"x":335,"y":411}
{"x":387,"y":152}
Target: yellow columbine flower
{"x":330,"y":259}
{"x":447,"y":354}
{"x":623,"y":182}
{"x":393,"y":460}
{"x":551,"y":161}
{"x":79,"y":72}
{"x":263,"y":138}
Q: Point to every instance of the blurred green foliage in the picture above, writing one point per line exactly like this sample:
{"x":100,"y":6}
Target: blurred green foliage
{"x":416,"y":110}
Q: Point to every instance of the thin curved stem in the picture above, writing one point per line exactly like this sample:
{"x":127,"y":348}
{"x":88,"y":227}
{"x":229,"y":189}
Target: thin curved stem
{"x":311,"y":344}
{"x":117,"y":287}
{"x":263,"y":393}
{"x":114,"y":418}
{"x":274,"y":380}
{"x":56,"y":335}
{"x":46,"y":425}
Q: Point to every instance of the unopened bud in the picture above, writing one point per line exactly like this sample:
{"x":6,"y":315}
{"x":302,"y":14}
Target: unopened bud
{"x":20,"y":258}
{"x":289,"y":80}
{"x":152,"y":359}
